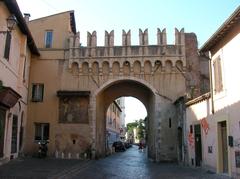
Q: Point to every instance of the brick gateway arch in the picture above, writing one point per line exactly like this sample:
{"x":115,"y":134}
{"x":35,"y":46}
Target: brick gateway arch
{"x":90,"y":77}
{"x":155,"y":74}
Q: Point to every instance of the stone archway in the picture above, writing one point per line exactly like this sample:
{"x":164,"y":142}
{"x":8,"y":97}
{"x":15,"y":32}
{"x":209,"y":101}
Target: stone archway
{"x":118,"y":88}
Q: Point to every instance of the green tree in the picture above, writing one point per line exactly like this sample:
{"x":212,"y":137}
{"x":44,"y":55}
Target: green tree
{"x":132,"y":125}
{"x":140,"y":125}
{"x":141,"y":129}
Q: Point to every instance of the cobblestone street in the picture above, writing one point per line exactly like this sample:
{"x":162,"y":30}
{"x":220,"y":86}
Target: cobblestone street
{"x":126,"y":165}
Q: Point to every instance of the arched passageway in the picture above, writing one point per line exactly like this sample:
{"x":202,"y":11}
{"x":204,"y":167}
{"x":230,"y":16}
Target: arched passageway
{"x":126,"y":119}
{"x":118,"y":89}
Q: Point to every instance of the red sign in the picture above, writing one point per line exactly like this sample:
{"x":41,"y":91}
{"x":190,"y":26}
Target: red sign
{"x":205,"y":125}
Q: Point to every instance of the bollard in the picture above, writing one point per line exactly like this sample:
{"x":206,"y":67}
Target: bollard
{"x":85,"y":155}
{"x":77,"y":155}
{"x":56,"y":154}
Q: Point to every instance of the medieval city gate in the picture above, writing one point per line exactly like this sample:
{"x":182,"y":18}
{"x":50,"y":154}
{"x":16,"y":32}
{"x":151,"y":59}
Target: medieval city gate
{"x":155,"y":74}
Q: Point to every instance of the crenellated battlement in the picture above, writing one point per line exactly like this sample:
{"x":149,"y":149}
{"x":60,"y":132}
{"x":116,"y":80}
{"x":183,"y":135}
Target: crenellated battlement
{"x":143,"y":49}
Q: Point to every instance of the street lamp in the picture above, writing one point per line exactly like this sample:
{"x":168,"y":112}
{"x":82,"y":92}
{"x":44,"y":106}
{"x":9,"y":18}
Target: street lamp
{"x":11,"y":23}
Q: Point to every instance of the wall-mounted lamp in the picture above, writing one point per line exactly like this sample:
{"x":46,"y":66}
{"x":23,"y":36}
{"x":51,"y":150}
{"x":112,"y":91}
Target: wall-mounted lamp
{"x":126,"y":63}
{"x":11,"y":23}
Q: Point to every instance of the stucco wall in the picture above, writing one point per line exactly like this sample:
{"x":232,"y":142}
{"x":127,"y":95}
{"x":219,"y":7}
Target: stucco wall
{"x":226,"y":107}
{"x":60,"y":24}
{"x":12,"y":75}
{"x":156,"y":74}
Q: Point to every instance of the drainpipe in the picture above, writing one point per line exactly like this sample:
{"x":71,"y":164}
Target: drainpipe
{"x":211,"y":81}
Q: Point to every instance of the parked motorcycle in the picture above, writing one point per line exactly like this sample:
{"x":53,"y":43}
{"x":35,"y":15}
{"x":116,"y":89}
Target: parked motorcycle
{"x":42,"y":149}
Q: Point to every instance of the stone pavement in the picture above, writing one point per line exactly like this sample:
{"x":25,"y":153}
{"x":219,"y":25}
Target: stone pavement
{"x":34,"y":168}
{"x":125,"y":165}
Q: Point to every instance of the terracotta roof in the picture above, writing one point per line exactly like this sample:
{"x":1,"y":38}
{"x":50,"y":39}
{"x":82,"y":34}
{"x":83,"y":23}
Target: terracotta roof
{"x":14,"y":9}
{"x":222,"y":31}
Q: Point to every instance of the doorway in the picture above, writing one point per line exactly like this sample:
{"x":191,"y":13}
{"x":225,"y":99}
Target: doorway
{"x":2,"y":130}
{"x":198,"y":145}
{"x":223,"y":147}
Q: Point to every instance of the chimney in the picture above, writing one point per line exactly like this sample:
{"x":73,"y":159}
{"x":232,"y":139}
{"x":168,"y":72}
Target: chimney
{"x":26,"y":17}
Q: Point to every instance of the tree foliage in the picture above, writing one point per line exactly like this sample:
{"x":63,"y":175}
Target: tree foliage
{"x":141,"y":129}
{"x":132,"y":125}
{"x":139,"y":125}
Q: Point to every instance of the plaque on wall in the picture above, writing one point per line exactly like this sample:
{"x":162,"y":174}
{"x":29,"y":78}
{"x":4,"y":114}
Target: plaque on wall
{"x":73,"y":109}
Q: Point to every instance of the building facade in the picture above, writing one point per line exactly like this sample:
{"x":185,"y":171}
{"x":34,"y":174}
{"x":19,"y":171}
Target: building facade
{"x":213,"y":124}
{"x":71,"y":86}
{"x":55,"y":113}
{"x":121,"y":102}
{"x":114,"y":123}
{"x":16,"y":50}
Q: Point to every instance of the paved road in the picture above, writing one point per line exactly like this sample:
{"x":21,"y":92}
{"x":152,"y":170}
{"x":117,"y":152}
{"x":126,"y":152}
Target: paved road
{"x":125,"y":165}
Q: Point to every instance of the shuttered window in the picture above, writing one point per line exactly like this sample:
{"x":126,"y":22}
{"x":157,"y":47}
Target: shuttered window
{"x":7,"y":45}
{"x":217,"y":67}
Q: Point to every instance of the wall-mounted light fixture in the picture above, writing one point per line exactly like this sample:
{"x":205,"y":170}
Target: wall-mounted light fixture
{"x":11,"y":23}
{"x":126,"y":63}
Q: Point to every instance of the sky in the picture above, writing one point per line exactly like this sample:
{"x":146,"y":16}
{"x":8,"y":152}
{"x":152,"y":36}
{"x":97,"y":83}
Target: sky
{"x":203,"y":17}
{"x":134,"y":109}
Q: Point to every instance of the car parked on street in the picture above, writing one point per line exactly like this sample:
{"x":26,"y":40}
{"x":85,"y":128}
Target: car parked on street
{"x":127,"y":145}
{"x":119,"y":146}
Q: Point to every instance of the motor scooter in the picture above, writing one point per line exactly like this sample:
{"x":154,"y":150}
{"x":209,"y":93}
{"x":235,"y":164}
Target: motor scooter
{"x":42,"y":149}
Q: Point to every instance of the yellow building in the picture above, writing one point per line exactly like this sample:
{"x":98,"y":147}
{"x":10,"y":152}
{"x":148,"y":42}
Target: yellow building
{"x":17,"y":47}
{"x":51,"y":116}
